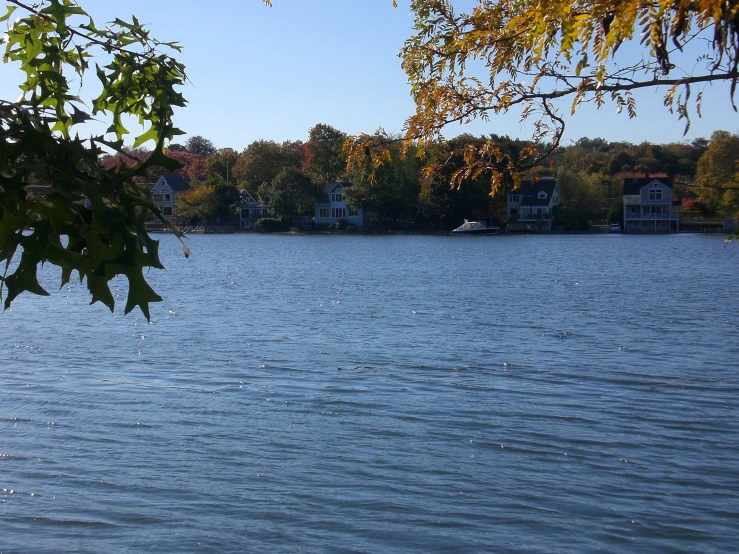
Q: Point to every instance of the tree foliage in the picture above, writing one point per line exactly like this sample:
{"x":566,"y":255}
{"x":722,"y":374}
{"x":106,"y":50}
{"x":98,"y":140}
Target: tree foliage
{"x":221,"y":164}
{"x":325,"y":158}
{"x":396,"y":187}
{"x":58,"y":203}
{"x":212,"y":201}
{"x":289,"y":194}
{"x":470,"y":197}
{"x":531,"y":56}
{"x":717,"y":179}
{"x":263,"y":160}
{"x":583,"y":199}
{"x":200,"y":146}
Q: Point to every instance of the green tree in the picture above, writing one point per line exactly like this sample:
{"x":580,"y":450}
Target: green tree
{"x":325,"y":158}
{"x":82,"y":216}
{"x":583,"y":199}
{"x":222,"y":164}
{"x":212,"y":201}
{"x":200,"y":146}
{"x":225,"y":202}
{"x":395,"y":187}
{"x":469,"y":197}
{"x":717,"y":177}
{"x":622,"y":161}
{"x":289,"y":194}
{"x":262,"y":161}
{"x":195,"y":203}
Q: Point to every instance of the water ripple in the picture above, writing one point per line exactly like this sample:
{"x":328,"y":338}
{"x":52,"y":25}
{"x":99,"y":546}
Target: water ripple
{"x":382,"y":394}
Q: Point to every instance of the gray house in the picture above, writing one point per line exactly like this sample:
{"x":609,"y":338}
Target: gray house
{"x":648,"y":205}
{"x":165,"y":191}
{"x":331,"y":206}
{"x":533,"y":203}
{"x":251,"y":210}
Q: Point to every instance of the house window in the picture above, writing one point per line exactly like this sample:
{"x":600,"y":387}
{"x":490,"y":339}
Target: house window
{"x":157,"y":198}
{"x":166,"y":197}
{"x":514,"y":211}
{"x":337,"y":197}
{"x":167,"y":210}
{"x":515,"y":198}
{"x":323,"y":212}
{"x":353,"y":212}
{"x":655,"y":194}
{"x":542,"y":195}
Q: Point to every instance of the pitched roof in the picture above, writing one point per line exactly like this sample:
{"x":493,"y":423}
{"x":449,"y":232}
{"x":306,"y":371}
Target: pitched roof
{"x":529,"y":192}
{"x":177,"y":182}
{"x":328,"y":188}
{"x":247,"y":198}
{"x":633,"y":185}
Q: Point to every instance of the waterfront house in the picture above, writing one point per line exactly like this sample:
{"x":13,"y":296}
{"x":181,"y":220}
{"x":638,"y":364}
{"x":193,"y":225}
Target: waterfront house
{"x":251,"y":210}
{"x":165,"y":191}
{"x":331,"y":206}
{"x":532,"y":204}
{"x":648,"y":205}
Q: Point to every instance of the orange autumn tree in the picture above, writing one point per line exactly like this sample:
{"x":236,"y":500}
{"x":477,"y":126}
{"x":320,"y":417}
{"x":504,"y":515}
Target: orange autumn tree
{"x":542,"y":58}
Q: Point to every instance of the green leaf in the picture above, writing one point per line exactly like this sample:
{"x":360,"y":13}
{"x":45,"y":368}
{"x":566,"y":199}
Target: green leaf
{"x":98,"y":287}
{"x":10,"y":11}
{"x":78,"y":116}
{"x":24,"y":279}
{"x":151,"y":134}
{"x":160,"y":159}
{"x":139,"y":292}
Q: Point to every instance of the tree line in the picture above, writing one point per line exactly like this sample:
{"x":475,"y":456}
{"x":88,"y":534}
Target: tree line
{"x":412,"y":191}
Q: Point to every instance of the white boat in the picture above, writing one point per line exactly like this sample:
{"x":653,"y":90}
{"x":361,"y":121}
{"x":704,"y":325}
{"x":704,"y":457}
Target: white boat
{"x":614,"y":228}
{"x":474,"y":228}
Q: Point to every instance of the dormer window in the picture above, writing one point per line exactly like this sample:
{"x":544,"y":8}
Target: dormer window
{"x":542,"y":195}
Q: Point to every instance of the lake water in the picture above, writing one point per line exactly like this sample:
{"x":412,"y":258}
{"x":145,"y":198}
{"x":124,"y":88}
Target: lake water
{"x":382,"y":394}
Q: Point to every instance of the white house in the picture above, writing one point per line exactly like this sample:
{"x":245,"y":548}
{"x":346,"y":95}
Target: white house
{"x":251,"y":210}
{"x":648,"y":205}
{"x":533,"y":202}
{"x":165,"y":191}
{"x":331,"y":206}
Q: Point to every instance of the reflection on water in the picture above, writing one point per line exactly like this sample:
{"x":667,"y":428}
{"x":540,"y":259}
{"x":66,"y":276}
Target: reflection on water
{"x":382,"y":394}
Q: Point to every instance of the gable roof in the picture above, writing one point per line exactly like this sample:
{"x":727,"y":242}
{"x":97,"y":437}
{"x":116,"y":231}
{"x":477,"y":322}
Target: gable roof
{"x":324,"y":198}
{"x":247,"y":198}
{"x":633,"y":185}
{"x":177,"y":182}
{"x":529,"y":192}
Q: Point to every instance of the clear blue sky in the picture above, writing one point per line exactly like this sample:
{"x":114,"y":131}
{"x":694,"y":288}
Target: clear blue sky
{"x":272,"y":73}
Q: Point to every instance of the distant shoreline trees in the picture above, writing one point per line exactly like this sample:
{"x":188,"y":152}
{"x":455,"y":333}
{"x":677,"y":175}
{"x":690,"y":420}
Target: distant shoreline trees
{"x":289,"y":176}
